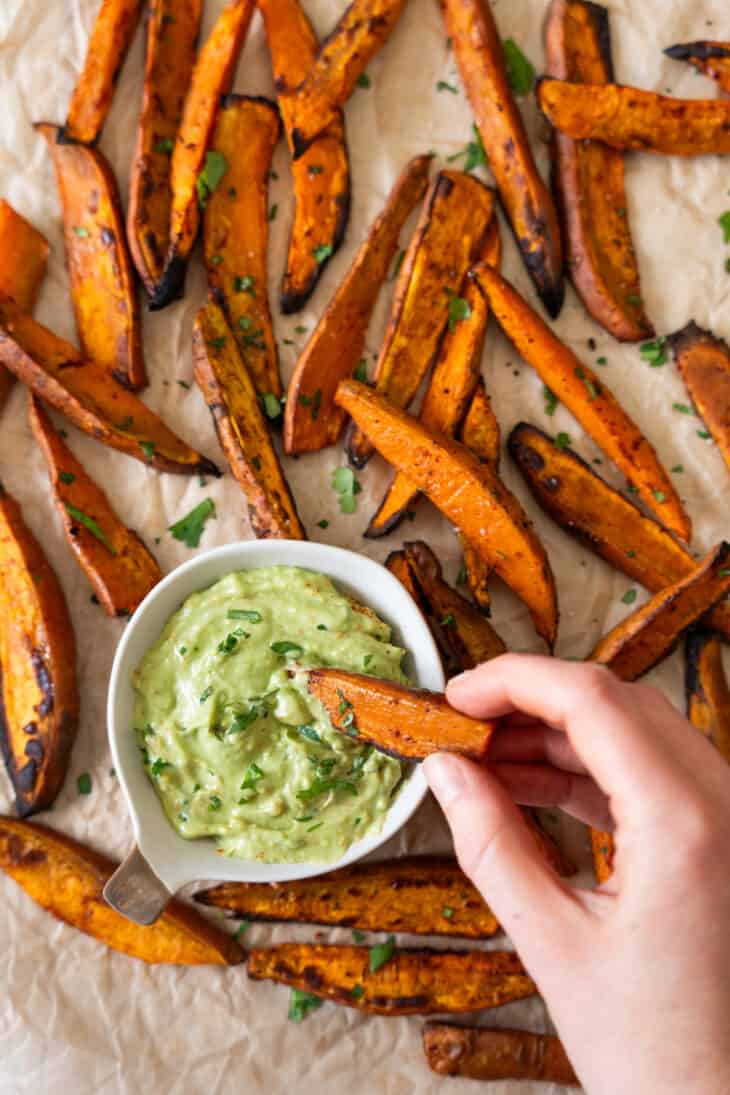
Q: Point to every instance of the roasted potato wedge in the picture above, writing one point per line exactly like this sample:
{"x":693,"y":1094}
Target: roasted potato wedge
{"x":363,"y":28}
{"x":412,"y":982}
{"x":90,"y":397}
{"x":424,"y":895}
{"x":589,"y":181}
{"x":242,"y":431}
{"x":67,"y":880}
{"x":468,"y":493}
{"x":100,"y":271}
{"x":236,"y":232}
{"x":578,"y":500}
{"x":710,"y":58}
{"x":23,"y":258}
{"x":321,"y":176}
{"x":109,"y":41}
{"x":405,"y":722}
{"x":40,"y":701}
{"x":172,"y":34}
{"x":526,"y":199}
{"x":704,"y":363}
{"x":587,"y":398}
{"x":706,"y":690}
{"x":211,"y":78}
{"x":628,"y":118}
{"x":650,"y":633}
{"x":481,"y":1054}
{"x":312,"y":420}
{"x":118,"y":565}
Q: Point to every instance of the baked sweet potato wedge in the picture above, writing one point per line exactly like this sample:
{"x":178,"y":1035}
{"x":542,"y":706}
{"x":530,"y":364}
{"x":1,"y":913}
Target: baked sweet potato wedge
{"x":704,"y":364}
{"x":481,"y":1054}
{"x":67,"y":879}
{"x":603,"y":848}
{"x":90,"y":397}
{"x":468,"y":493}
{"x":706,"y":689}
{"x":100,"y":271}
{"x":480,"y":432}
{"x":526,"y":199}
{"x":118,"y":565}
{"x":578,"y":500}
{"x":321,"y":176}
{"x":424,"y":895}
{"x":192,"y":174}
{"x":710,"y":58}
{"x":589,"y":181}
{"x":629,"y":118}
{"x":410,"y":723}
{"x":40,"y":701}
{"x":412,"y":982}
{"x":23,"y":258}
{"x":312,"y":419}
{"x":242,"y":431}
{"x":650,"y":633}
{"x":587,"y":398}
{"x":449,"y":235}
{"x":109,"y":41}
{"x":172,"y":34}
{"x":363,"y":28}
{"x":236,"y":232}
{"x":451,"y":386}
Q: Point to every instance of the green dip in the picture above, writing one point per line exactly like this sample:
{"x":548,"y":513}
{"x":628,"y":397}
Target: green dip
{"x":233,"y":743}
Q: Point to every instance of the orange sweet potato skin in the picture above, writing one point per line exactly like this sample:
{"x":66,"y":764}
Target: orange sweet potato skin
{"x":172,"y":33}
{"x":589,"y":180}
{"x":121,"y":571}
{"x":67,"y":880}
{"x":526,"y":200}
{"x":603,"y":848}
{"x":412,"y":982}
{"x":481,"y":1054}
{"x":236,"y":232}
{"x":706,"y":689}
{"x":40,"y":702}
{"x":312,"y":422}
{"x":23,"y":258}
{"x":480,"y":432}
{"x":704,"y":363}
{"x":103,"y":291}
{"x":109,"y":41}
{"x":710,"y":58}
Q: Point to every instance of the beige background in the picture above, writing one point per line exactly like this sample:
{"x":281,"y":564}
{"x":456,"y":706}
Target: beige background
{"x":75,"y":1017}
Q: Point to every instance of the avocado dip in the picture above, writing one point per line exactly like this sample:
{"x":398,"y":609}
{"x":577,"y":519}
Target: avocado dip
{"x":233,"y":743}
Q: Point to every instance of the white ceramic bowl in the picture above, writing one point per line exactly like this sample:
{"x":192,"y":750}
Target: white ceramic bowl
{"x":175,"y":861}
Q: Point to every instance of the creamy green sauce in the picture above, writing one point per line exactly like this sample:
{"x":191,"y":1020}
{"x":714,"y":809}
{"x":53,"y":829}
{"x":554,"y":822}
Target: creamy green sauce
{"x":236,"y":748}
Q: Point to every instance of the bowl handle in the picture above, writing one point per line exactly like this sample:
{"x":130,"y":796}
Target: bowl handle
{"x":135,"y":891}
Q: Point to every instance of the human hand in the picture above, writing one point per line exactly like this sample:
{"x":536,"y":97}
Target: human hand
{"x":636,"y":974}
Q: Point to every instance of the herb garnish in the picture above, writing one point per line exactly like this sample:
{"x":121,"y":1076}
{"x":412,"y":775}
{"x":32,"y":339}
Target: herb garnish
{"x":81,"y":232}
{"x":360,"y":372}
{"x":443,"y":86}
{"x":249,"y":614}
{"x":473,"y":151}
{"x":245,"y":284}
{"x":363,"y":80}
{"x":562,"y":440}
{"x":520,"y":71}
{"x":382,"y":953}
{"x":165,"y":146}
{"x":271,"y":404}
{"x":301,"y":1004}
{"x":347,"y":487}
{"x":293,"y":650}
{"x":215,"y":168}
{"x":551,"y":400}
{"x":90,"y":524}
{"x":323,"y":252}
{"x":253,"y":776}
{"x":724,"y":221}
{"x":629,"y":597}
{"x":189,"y":529}
{"x":654,"y":353}
{"x":66,"y":477}
{"x":83,"y":784}
{"x":459,"y":308}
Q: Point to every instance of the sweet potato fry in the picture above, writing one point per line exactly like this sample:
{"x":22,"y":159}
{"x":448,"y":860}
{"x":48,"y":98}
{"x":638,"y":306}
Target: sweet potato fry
{"x":412,"y":982}
{"x":706,"y":690}
{"x":100,"y":270}
{"x":40,"y":703}
{"x":468,"y":493}
{"x":405,"y":722}
{"x":628,"y":118}
{"x":67,"y":878}
{"x":172,"y":33}
{"x":450,"y":388}
{"x":710,"y":58}
{"x":242,"y":431}
{"x":361,"y":31}
{"x":398,"y":564}
{"x":704,"y":363}
{"x":425,"y":895}
{"x":587,"y":398}
{"x":450,"y":232}
{"x":589,"y":180}
{"x":109,"y":41}
{"x":190,"y":180}
{"x":321,"y":176}
{"x":118,"y":565}
{"x":648,"y":635}
{"x":89,"y":397}
{"x":526,"y":200}
{"x":603,"y":848}
{"x":236,"y":232}
{"x":481,"y":1054}
{"x":312,"y":420}
{"x":23,"y":257}
{"x":578,"y":500}
{"x":480,"y":433}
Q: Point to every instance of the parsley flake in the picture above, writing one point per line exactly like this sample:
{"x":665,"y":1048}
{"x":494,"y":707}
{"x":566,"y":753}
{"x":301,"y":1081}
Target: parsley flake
{"x":301,"y":1004}
{"x":520,"y":71}
{"x":215,"y":168}
{"x":92,"y":526}
{"x":382,"y":953}
{"x":189,"y":529}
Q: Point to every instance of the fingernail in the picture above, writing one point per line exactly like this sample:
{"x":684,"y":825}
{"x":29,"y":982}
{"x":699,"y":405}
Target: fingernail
{"x":445,"y":777}
{"x":460,"y":678}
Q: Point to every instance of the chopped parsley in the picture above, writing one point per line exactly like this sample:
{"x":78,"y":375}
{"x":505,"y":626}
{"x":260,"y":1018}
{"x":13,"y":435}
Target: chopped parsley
{"x":310,"y":734}
{"x":447,"y":912}
{"x":206,"y":693}
{"x":215,"y":802}
{"x":397,"y":265}
{"x":323,"y":785}
{"x":346,"y":487}
{"x":443,"y":86}
{"x":654,"y":353}
{"x":682,"y":408}
{"x":562,"y":440}
{"x":240,"y":930}
{"x":165,"y":146}
{"x":659,"y":495}
{"x":324,"y":523}
{"x":473,"y":151}
{"x":551,"y":400}
{"x":148,"y":448}
{"x":724,"y":221}
{"x":462,"y":576}
{"x":292,"y":650}
{"x":361,"y":371}
{"x":273,"y":211}
{"x":363,"y":80}
{"x":323,"y":252}
{"x":218,"y":343}
{"x":520,"y":71}
{"x":158,"y":766}
{"x":90,"y":524}
{"x":357,"y":936}
{"x":229,"y":645}
{"x":215,"y":168}
{"x":315,"y":169}
{"x":629,"y":597}
{"x":459,"y":309}
{"x":81,"y":232}
{"x":271,"y":405}
{"x":189,"y":529}
{"x":245,"y":284}
{"x":301,"y":1004}
{"x":248,"y":614}
{"x":66,"y":477}
{"x":83,"y":784}
{"x":703,"y":434}
{"x":449,"y":620}
{"x":382,"y":953}
{"x":593,"y":389}
{"x":357,"y":991}
{"x":253,"y":776}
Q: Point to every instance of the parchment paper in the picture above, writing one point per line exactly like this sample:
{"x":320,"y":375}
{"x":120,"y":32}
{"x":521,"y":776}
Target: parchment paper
{"x":74,"y":1016}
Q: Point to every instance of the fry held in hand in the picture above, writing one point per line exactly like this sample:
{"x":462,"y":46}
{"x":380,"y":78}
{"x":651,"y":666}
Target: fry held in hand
{"x":704,"y":364}
{"x":710,"y":58}
{"x":23,"y":259}
{"x":481,"y":1054}
{"x":706,"y":689}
